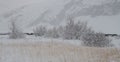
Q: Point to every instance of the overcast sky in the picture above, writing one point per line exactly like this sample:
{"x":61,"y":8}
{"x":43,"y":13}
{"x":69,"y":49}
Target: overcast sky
{"x":107,"y":24}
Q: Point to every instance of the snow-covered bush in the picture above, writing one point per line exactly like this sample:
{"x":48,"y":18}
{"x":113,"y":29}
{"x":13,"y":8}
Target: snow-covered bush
{"x":96,"y":40}
{"x":16,"y":32}
{"x":47,"y":32}
{"x":40,"y":31}
{"x":71,"y":30}
{"x":75,"y":30}
{"x":52,"y":33}
{"x":60,"y":30}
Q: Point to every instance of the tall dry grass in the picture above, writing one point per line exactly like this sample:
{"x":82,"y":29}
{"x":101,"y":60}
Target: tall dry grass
{"x":56,"y":52}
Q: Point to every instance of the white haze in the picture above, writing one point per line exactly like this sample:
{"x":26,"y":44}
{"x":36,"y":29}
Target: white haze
{"x":32,"y":9}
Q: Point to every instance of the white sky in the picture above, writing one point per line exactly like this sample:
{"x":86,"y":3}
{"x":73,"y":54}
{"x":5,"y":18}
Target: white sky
{"x":105,"y":24}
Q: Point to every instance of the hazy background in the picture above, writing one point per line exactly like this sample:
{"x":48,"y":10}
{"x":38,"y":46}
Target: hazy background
{"x":31,"y":13}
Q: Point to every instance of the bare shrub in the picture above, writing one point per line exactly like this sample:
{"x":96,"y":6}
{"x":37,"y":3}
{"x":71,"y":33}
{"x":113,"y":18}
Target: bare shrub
{"x":75,"y":30}
{"x":40,"y":31}
{"x":96,"y":40}
{"x":16,"y":32}
{"x":52,"y":33}
{"x":60,"y":30}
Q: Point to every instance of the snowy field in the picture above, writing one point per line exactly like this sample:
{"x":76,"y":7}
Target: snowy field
{"x":50,"y":19}
{"x":54,"y":50}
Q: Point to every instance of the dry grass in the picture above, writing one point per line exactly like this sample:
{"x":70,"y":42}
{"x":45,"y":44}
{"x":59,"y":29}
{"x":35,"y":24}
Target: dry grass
{"x":56,"y":52}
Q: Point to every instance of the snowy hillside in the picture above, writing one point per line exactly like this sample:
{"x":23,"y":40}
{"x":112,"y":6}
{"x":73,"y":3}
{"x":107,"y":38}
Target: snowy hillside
{"x":28,"y":14}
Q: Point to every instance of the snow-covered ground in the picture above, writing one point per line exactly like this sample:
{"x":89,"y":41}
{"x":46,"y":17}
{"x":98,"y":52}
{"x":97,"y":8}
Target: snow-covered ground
{"x":52,"y":51}
{"x":36,"y":49}
{"x":33,"y":39}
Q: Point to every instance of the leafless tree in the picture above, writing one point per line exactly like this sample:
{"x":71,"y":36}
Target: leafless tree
{"x":40,"y":31}
{"x":16,"y":32}
{"x":75,"y":30}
